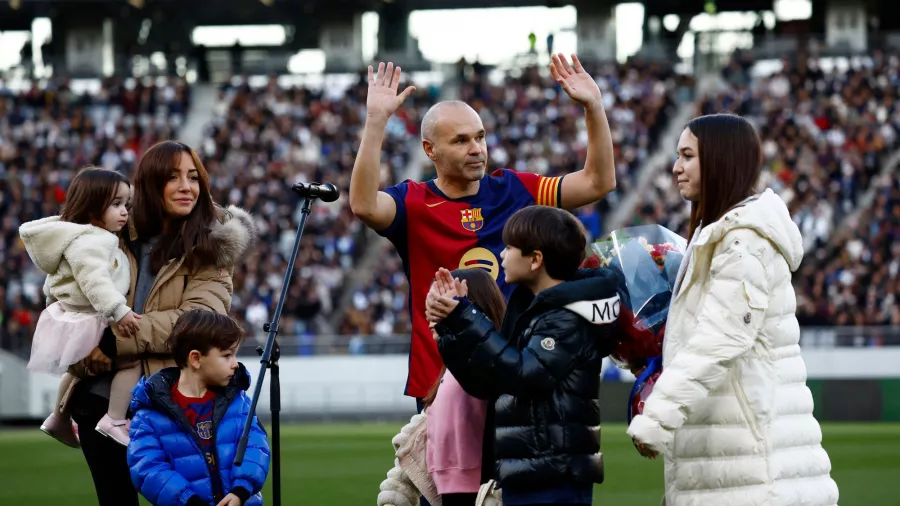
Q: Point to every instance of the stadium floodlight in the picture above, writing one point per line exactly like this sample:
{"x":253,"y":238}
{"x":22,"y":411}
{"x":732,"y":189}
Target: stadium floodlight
{"x":271,"y":353}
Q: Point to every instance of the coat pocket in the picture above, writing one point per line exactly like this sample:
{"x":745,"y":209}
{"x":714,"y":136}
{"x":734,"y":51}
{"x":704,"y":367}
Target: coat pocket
{"x":758,"y":301}
{"x":746,"y":411}
{"x":756,"y":298}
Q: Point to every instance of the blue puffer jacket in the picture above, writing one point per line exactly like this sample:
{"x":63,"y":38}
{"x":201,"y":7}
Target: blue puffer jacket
{"x":164,"y":456}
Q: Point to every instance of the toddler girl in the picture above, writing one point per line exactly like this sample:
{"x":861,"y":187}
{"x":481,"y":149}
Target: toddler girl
{"x":88,"y":276}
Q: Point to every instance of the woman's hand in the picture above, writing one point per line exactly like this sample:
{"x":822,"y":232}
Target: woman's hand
{"x":97,"y":362}
{"x":439,"y":302}
{"x":645,"y":450}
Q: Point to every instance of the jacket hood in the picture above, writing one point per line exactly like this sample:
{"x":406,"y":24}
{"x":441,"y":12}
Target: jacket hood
{"x":233,"y":235}
{"x":767,"y":215}
{"x":591,"y":294}
{"x":150,"y":392}
{"x":47,"y":239}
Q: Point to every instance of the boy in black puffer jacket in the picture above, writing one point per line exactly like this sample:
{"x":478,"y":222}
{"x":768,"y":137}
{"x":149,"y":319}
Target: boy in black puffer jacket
{"x":543,"y":367}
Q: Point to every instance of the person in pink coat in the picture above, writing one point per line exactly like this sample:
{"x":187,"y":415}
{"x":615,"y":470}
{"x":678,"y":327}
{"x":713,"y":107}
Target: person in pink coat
{"x":455,"y":419}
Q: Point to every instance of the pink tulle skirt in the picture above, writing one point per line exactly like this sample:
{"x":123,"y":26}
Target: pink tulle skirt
{"x":62,"y":338}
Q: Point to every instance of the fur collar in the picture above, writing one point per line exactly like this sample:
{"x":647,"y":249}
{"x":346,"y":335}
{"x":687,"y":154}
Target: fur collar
{"x":234,"y":235}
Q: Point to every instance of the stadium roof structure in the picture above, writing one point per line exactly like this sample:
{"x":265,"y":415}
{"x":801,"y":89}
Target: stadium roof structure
{"x":267,"y":11}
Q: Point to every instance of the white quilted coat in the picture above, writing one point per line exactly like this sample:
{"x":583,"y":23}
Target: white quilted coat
{"x":731,"y":411}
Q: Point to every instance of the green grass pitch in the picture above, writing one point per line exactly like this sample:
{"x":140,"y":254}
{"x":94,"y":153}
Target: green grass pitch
{"x":342,"y":465}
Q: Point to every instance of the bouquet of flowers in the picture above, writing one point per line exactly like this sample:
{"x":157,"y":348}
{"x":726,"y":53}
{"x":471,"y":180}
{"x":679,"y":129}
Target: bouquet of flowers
{"x":648,"y":258}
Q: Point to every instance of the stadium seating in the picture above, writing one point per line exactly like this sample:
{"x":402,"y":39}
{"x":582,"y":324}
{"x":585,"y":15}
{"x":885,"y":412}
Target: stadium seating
{"x":853,"y":279}
{"x":826,"y":136}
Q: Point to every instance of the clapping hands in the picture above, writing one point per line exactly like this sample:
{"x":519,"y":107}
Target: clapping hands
{"x":440,"y":301}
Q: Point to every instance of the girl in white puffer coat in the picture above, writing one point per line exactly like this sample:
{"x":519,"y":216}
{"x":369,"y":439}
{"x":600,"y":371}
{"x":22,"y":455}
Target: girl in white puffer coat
{"x":731,"y":412}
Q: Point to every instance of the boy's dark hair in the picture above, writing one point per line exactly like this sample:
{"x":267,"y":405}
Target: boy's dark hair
{"x":554,"y":232}
{"x":90,"y":193}
{"x":202,"y":330}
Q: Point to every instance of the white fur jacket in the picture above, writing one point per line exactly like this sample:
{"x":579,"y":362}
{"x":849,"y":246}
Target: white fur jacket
{"x":409,"y":478}
{"x":86,"y":270}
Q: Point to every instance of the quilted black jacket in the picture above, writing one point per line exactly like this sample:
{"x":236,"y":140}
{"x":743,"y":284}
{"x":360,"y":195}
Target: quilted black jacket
{"x":543,"y":372}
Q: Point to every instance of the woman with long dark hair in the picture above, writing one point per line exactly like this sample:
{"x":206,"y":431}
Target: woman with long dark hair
{"x":182,"y":248}
{"x":731,"y":412}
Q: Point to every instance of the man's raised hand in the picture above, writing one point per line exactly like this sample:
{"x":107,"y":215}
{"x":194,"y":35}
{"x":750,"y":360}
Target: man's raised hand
{"x":573,"y":79}
{"x":382,"y":99}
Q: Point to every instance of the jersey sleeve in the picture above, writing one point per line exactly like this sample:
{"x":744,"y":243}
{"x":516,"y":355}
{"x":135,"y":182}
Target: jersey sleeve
{"x":546,"y":191}
{"x":397,"y":229}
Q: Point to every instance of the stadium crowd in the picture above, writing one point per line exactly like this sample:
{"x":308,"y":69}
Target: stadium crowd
{"x":826,"y":136}
{"x":46,"y":135}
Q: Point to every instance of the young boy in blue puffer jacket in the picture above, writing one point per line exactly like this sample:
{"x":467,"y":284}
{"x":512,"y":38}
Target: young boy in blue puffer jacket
{"x":188,"y":420}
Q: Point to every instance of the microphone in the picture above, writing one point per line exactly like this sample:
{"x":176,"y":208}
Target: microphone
{"x":326,"y":192}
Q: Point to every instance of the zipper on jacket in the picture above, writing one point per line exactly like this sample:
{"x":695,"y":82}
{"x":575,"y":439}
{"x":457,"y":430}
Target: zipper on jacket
{"x":744,"y":404}
{"x":220,"y":407}
{"x":215,"y":476}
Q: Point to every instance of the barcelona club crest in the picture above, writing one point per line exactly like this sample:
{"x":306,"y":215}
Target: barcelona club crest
{"x":471,"y":219}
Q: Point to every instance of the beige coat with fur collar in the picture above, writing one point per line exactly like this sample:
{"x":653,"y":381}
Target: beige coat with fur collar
{"x":178,"y":289}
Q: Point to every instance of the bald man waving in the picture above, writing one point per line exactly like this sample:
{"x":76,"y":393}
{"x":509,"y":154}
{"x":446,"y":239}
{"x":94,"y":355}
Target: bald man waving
{"x":456,"y":220}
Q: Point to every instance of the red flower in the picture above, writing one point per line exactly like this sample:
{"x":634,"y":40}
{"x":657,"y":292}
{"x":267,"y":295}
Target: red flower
{"x":638,"y":342}
{"x":591,"y":263}
{"x":659,"y":252}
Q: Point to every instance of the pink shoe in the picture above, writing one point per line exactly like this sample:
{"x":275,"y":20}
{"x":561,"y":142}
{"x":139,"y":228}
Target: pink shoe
{"x":61,"y":430}
{"x":117,"y":430}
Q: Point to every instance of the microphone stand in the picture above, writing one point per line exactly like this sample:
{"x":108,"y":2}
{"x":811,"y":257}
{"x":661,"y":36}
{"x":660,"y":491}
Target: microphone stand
{"x":271,"y":353}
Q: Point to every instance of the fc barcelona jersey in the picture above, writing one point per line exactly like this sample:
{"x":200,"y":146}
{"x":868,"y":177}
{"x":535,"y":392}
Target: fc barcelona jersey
{"x":431,"y":231}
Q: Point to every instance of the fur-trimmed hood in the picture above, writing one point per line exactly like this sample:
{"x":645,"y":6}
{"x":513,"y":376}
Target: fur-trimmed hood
{"x":233,"y":235}
{"x":47,"y":239}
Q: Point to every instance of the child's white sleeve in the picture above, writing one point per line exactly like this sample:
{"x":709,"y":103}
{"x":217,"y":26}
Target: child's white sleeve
{"x":89,"y":257}
{"x":49,"y":298}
